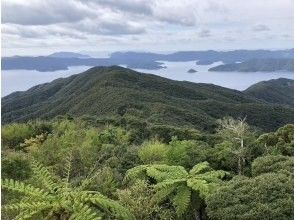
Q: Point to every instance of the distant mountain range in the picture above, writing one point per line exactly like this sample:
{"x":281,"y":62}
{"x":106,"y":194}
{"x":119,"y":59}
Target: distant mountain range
{"x":68,"y":55}
{"x":119,"y":92}
{"x":138,"y":60}
{"x":257,"y":65}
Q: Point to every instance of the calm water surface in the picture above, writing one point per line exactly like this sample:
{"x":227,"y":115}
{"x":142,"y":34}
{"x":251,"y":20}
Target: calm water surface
{"x":20,"y":80}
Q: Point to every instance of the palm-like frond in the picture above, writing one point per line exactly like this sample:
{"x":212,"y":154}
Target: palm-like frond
{"x":138,"y":172}
{"x":26,"y":206}
{"x":25,"y":189}
{"x":107,"y":205}
{"x":200,"y":168}
{"x":67,"y":168}
{"x":83,"y":212}
{"x":163,"y":172}
{"x":59,"y":198}
{"x":176,"y":184}
{"x":181,"y":200}
{"x":200,"y":186}
{"x":43,"y":176}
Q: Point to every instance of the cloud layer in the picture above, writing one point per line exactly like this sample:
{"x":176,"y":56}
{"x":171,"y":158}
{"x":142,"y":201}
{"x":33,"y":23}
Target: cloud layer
{"x":45,"y":25}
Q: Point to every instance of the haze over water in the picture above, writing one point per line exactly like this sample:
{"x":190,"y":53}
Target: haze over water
{"x":21,"y":80}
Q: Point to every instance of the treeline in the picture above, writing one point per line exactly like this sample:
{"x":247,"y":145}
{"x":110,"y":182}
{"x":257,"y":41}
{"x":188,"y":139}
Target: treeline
{"x":91,"y":169}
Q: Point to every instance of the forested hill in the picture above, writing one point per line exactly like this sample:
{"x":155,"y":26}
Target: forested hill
{"x":274,"y":91}
{"x":117,"y":91}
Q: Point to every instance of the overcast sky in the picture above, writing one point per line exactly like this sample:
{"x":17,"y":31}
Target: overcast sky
{"x":33,"y":27}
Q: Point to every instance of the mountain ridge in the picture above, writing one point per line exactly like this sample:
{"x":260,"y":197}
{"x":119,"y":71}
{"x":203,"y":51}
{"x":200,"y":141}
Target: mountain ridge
{"x":280,"y":91}
{"x":108,"y":91}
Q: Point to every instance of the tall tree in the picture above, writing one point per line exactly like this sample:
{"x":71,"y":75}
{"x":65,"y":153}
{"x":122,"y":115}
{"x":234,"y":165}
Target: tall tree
{"x":236,"y":131}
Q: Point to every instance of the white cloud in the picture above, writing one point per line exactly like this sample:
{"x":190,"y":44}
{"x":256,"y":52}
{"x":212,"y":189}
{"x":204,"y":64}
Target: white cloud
{"x":147,"y":24}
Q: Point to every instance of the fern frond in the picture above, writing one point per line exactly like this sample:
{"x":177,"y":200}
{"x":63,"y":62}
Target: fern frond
{"x":213,"y":176}
{"x":83,"y":212}
{"x":32,"y":206}
{"x":168,"y":183}
{"x":163,"y":172}
{"x":182,"y":199}
{"x":138,"y":172}
{"x":26,"y":189}
{"x":67,"y":167}
{"x":107,"y":205}
{"x":163,"y":194}
{"x":43,"y":176}
{"x":200,"y":168}
{"x":200,"y":186}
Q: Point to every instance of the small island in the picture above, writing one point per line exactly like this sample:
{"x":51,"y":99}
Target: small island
{"x":257,"y":65}
{"x":192,"y":71}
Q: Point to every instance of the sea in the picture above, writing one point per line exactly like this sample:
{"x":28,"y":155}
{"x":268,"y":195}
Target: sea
{"x":21,"y":80}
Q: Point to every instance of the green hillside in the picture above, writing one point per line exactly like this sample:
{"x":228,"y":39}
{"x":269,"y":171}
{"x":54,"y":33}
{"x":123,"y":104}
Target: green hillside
{"x":279,"y":91}
{"x":117,"y":91}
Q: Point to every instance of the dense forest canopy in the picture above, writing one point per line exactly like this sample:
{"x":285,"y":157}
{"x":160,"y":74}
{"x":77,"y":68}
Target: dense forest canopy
{"x":86,"y":168}
{"x":112,"y":143}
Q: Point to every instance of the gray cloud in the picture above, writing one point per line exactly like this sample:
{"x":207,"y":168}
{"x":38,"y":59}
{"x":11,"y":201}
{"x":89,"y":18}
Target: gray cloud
{"x":260,"y":27}
{"x":109,"y":27}
{"x":132,"y":6}
{"x":204,"y":33}
{"x":168,"y":23}
{"x":44,"y":12}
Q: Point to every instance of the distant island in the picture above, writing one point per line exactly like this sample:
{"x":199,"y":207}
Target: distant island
{"x":192,"y":71}
{"x":142,"y":60}
{"x":257,"y":65}
{"x":68,"y":55}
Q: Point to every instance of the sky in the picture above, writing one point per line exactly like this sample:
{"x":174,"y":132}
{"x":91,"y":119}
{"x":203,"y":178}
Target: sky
{"x":40,"y":27}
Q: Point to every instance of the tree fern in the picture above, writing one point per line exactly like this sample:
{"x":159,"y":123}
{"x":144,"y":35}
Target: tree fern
{"x":177,"y":185}
{"x":58,"y":199}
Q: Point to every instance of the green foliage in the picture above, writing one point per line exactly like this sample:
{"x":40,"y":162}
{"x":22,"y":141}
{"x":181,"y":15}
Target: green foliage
{"x":176,"y":184}
{"x":153,"y":152}
{"x":14,"y":134}
{"x":15,"y":165}
{"x":272,"y":164}
{"x":187,"y":153}
{"x":58,"y":199}
{"x":279,"y":142}
{"x":137,"y":199}
{"x":268,"y":196}
{"x":90,"y":157}
{"x":222,"y":156}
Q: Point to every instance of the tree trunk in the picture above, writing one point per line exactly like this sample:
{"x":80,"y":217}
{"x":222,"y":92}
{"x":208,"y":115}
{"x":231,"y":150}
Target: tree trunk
{"x":241,"y":158}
